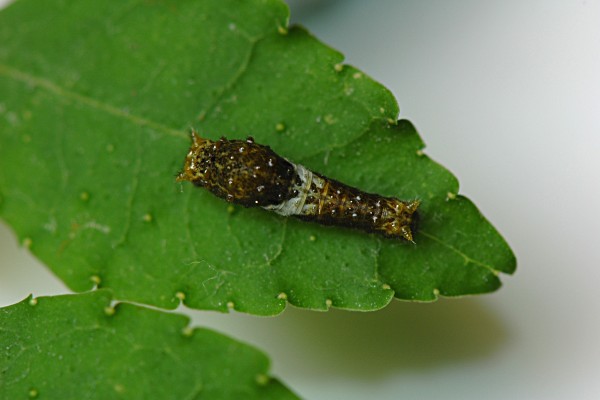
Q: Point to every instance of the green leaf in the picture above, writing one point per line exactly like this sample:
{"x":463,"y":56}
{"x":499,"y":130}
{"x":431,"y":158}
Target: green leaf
{"x":82,"y":347}
{"x":96,"y":100}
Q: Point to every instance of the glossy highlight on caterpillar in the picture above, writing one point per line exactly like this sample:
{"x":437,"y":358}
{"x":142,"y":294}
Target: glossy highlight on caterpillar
{"x":247,"y":173}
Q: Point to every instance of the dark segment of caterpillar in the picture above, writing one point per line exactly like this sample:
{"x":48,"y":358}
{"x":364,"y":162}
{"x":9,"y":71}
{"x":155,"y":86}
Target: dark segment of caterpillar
{"x":247,"y":173}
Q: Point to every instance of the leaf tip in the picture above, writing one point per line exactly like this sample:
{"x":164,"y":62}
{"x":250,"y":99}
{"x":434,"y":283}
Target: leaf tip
{"x":282,"y":30}
{"x":450,"y":196}
{"x":109,"y":311}
{"x":188,"y":331}
{"x":180,"y":295}
{"x":262,"y":379}
{"x":96,"y":280}
{"x":282,"y":296}
{"x":27,"y":242}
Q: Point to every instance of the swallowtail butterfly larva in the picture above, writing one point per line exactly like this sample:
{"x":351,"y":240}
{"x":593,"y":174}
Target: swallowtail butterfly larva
{"x":247,"y":173}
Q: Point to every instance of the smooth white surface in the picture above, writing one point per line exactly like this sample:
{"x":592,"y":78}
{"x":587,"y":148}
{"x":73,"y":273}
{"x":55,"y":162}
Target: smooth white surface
{"x":507,"y":96}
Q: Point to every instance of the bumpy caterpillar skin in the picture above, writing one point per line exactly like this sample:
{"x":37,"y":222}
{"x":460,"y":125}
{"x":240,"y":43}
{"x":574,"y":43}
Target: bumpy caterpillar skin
{"x":250,"y":174}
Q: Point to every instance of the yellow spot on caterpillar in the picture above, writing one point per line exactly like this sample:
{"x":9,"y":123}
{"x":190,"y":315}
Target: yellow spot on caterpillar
{"x":180,"y":296}
{"x":109,"y":311}
{"x":95,"y":279}
{"x":282,"y":30}
{"x":280,"y":127}
{"x":282,"y":296}
{"x":338,"y":67}
{"x":188,"y":331}
{"x":357,"y":75}
{"x":33,"y":302}
{"x":328,"y":303}
{"x":147,"y":218}
{"x":33,"y":393}
{"x":450,"y":196}
{"x":230,"y":305}
{"x":84,"y":196}
{"x":27,"y":242}
{"x":385,"y":286}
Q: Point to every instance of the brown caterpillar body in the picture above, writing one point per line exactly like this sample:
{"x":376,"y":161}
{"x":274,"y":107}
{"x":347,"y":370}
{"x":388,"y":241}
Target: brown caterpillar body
{"x":250,"y":174}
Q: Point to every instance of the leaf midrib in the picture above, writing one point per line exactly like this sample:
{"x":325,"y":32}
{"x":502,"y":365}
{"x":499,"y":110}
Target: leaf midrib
{"x":52,"y":87}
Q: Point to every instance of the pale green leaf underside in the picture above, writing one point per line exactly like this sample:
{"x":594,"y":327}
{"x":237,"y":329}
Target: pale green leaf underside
{"x":96,"y":100}
{"x":81,"y":347}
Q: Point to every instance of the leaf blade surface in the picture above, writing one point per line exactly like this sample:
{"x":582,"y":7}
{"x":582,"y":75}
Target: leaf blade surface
{"x":81,"y":346}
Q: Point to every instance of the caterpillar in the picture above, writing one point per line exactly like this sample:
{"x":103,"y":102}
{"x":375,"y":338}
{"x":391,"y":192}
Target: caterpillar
{"x":252,"y":175}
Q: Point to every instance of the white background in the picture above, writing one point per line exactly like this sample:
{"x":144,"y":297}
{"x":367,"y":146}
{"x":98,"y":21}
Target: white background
{"x":506,"y":94}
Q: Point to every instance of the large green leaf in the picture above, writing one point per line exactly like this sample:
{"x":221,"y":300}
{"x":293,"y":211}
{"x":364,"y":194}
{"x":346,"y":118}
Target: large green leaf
{"x":96,"y":100}
{"x":82,"y":347}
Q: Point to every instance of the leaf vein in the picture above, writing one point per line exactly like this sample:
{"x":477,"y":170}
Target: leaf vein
{"x":468,"y":260}
{"x":60,"y":91}
{"x":227,"y":87}
{"x":135,"y":178}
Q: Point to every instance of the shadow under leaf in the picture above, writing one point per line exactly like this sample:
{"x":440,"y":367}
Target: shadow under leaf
{"x":370,"y":345}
